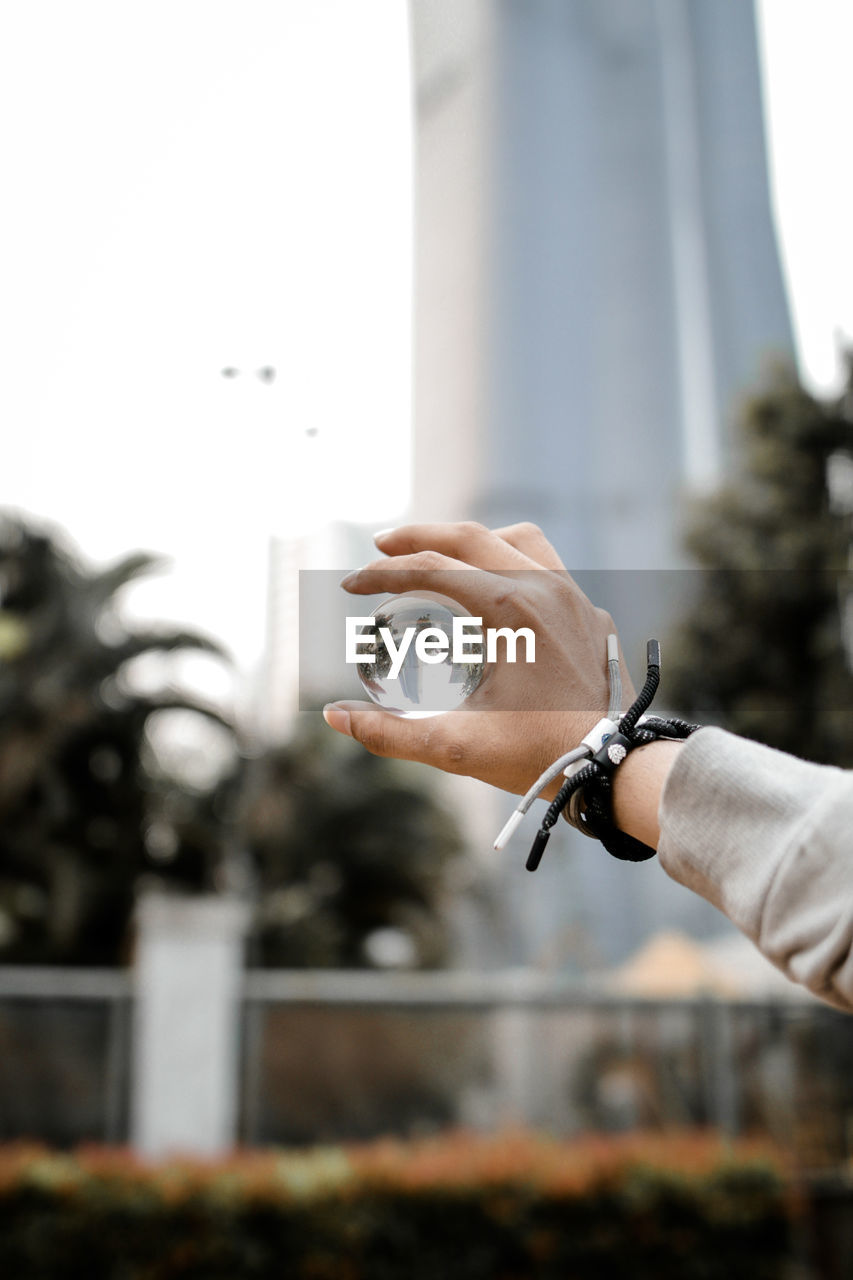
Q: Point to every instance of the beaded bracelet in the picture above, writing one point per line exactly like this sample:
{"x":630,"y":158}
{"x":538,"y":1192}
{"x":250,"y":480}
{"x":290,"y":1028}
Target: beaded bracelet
{"x":594,"y":780}
{"x":589,"y":769}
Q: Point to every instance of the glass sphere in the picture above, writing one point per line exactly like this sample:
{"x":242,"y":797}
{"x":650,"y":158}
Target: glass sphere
{"x":414,"y":674}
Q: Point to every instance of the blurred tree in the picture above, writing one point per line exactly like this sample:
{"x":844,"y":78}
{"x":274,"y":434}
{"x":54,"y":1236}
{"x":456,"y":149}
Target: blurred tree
{"x":353,"y":858}
{"x":765,"y":647}
{"x":84,"y":810}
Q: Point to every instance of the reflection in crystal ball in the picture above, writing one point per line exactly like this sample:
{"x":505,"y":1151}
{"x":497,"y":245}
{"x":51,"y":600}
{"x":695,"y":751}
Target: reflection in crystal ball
{"x":420,"y":688}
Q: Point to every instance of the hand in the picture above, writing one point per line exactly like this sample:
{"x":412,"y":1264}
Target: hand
{"x":522,"y":716}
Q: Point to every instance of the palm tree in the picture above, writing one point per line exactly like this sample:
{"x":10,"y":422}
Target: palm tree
{"x":84,"y":810}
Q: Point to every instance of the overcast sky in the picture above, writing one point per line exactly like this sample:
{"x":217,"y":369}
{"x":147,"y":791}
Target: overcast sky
{"x":807,"y":46}
{"x":208,"y":185}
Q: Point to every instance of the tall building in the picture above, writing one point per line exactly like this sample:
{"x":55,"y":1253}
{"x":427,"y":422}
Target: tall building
{"x":597,"y":282}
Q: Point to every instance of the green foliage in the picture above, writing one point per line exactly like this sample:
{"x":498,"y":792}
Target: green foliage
{"x":344,"y":844}
{"x":512,"y":1207}
{"x":339,"y":844}
{"x":762,"y":649}
{"x":79,"y":791}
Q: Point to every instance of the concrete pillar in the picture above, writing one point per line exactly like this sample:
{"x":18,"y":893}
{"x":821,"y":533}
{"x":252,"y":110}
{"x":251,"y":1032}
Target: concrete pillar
{"x":185,"y":1038}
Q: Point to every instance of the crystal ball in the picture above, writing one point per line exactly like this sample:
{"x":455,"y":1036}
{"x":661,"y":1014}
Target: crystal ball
{"x":411,"y":642}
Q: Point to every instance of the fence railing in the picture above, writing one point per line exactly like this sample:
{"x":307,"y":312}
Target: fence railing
{"x":65,"y":1054}
{"x":188,"y":1051}
{"x":334,"y":1055}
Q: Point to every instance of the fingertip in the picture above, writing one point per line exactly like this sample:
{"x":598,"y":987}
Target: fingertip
{"x":338,"y":717}
{"x":382,"y":533}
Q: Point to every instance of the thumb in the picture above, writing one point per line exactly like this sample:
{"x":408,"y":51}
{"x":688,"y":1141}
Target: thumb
{"x":381,"y":732}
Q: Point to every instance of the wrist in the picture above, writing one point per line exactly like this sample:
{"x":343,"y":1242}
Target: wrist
{"x":637,"y":787}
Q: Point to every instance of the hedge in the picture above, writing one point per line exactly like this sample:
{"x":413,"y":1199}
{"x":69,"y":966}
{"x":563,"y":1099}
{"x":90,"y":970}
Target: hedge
{"x":457,"y":1207}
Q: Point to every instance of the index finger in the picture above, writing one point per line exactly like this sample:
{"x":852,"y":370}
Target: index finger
{"x":470,"y":543}
{"x":481,"y":592}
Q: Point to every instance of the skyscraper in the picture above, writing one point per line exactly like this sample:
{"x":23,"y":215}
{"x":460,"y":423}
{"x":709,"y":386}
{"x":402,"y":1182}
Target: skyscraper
{"x":598,"y":277}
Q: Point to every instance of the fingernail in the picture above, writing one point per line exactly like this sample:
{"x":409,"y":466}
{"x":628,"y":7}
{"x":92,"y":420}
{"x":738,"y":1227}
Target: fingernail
{"x":381,"y":534}
{"x":337,"y":718}
{"x":350,"y":578}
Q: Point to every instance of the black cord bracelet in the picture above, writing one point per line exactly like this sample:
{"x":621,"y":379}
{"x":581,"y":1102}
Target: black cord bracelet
{"x":594,"y":780}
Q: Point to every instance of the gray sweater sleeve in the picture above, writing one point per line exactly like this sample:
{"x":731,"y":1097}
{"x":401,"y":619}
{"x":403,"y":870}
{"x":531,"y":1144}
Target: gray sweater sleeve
{"x":768,"y":839}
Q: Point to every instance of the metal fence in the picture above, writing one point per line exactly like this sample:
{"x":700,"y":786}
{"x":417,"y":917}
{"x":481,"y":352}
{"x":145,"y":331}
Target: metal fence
{"x":332,"y":1056}
{"x":340,"y":1056}
{"x":65,"y":1055}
